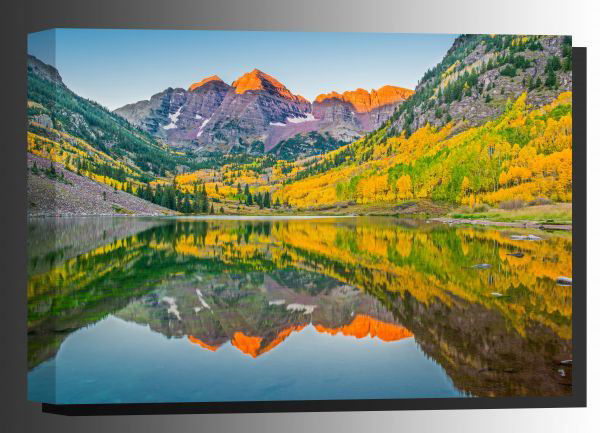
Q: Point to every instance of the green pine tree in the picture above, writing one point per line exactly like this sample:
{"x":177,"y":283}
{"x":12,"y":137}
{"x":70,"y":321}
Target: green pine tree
{"x":204,"y":204}
{"x":248,"y":195}
{"x":538,"y":82}
{"x":186,"y":208}
{"x":551,"y":79}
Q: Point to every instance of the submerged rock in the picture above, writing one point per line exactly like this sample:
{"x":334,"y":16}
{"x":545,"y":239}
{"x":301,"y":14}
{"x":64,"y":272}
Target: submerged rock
{"x":564,"y":281}
{"x":525,"y":238}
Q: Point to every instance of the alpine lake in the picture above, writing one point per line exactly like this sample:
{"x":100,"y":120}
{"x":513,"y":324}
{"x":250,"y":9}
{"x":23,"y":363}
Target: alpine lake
{"x":215,"y":309}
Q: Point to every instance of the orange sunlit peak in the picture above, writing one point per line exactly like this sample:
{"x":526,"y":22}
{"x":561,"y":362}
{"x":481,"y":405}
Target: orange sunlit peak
{"x":363,"y":326}
{"x":363,"y":100}
{"x":205,"y":81}
{"x":202,"y":344}
{"x":246,"y":344}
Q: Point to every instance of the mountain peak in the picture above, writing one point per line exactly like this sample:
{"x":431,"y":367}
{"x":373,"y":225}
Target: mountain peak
{"x":362,"y":326}
{"x":259,"y":80}
{"x":205,"y":81}
{"x":364,"y":101}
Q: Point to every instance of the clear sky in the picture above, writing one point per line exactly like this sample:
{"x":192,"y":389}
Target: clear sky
{"x":117,"y":67}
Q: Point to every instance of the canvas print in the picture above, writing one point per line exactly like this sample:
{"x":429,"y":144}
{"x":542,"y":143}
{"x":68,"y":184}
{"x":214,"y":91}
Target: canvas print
{"x":233,"y":216}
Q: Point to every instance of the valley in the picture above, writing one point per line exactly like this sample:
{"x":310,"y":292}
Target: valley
{"x":488,"y":127}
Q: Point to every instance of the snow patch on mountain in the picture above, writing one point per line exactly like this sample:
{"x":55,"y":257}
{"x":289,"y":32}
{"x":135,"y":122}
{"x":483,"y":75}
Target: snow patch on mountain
{"x":308,"y":117}
{"x":201,"y":299}
{"x":172,"y":306}
{"x":173,"y":117}
{"x":306,"y":309}
{"x":202,"y":127}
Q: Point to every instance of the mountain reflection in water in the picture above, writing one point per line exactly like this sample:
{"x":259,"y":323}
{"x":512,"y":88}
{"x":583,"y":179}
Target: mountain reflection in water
{"x":263,"y":286}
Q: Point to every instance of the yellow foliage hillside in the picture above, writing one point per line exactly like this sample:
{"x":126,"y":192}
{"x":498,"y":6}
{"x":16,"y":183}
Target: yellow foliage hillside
{"x":524,"y":154}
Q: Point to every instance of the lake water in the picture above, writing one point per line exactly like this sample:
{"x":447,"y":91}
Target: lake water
{"x":183,"y":309}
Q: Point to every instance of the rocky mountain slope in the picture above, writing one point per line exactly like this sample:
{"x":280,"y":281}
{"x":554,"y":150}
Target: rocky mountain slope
{"x":480,"y":73}
{"x":53,"y":108}
{"x":257,"y":319}
{"x":490,"y":123}
{"x":256,"y":112}
{"x":66,"y":193}
{"x":360,"y":108}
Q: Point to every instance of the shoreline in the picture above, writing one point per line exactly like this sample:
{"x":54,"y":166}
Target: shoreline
{"x":200,"y":217}
{"x":518,"y":224}
{"x":238,"y":217}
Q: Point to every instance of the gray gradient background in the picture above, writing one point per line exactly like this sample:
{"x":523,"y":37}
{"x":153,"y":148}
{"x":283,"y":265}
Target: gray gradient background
{"x":578,"y":18}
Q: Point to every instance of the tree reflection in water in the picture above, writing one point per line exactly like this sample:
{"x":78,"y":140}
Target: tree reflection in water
{"x":497,"y":330}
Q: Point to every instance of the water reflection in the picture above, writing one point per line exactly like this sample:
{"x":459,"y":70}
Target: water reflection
{"x":502,"y":329}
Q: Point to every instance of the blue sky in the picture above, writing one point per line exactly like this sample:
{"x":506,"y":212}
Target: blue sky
{"x":117,"y":67}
